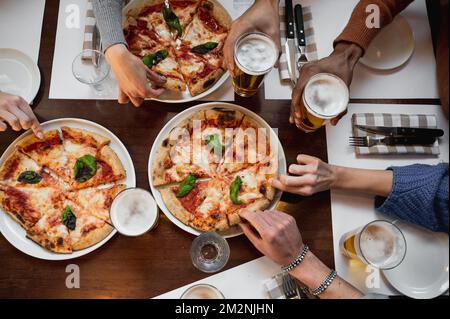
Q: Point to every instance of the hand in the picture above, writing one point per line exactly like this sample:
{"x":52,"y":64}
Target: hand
{"x":311,"y":176}
{"x":136,"y":80}
{"x":262,"y":16}
{"x":274,"y":234}
{"x":340,"y":63}
{"x":18,"y":114}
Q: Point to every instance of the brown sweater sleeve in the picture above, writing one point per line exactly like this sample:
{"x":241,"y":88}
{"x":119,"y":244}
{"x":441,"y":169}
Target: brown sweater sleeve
{"x":356,"y":30}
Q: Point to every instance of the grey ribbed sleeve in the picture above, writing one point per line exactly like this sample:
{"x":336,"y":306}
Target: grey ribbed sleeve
{"x":108,"y":14}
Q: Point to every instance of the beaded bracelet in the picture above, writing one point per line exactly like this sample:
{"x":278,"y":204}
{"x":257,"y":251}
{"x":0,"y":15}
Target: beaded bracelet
{"x":297,"y":261}
{"x":325,"y":284}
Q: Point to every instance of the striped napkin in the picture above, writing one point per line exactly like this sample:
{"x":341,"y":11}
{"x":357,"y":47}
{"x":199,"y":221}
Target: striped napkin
{"x":394,"y":120}
{"x":311,"y":47}
{"x":274,"y":287}
{"x":89,"y":26}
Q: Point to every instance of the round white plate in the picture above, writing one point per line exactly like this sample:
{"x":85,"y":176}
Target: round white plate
{"x":424,"y":273}
{"x":16,"y":235}
{"x":19,"y":75}
{"x":179,"y":97}
{"x":282,"y":166}
{"x":392,"y":47}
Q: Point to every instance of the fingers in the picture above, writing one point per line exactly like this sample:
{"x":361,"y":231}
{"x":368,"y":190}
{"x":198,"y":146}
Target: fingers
{"x":306,"y":159}
{"x":156,"y":78}
{"x":251,"y":234}
{"x":228,"y":50}
{"x":3,"y":126}
{"x":136,"y":101}
{"x":301,"y":169}
{"x":11,"y":119}
{"x":298,"y":181}
{"x":35,"y":125}
{"x":336,"y":120}
{"x":154,"y":92}
{"x":255,"y":220}
{"x":123,"y":98}
{"x":303,"y":190}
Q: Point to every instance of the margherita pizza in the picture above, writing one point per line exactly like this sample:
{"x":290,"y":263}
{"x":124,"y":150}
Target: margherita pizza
{"x":180,"y":39}
{"x":51,"y":187}
{"x":203,"y":188}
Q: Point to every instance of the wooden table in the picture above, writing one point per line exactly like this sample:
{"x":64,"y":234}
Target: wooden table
{"x":158,"y":261}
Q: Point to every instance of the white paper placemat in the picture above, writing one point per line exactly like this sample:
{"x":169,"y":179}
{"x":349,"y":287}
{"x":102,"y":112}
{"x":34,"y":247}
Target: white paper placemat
{"x":69,"y":42}
{"x":21,"y":25}
{"x":243,"y":282}
{"x":350,"y":211}
{"x":417,"y":79}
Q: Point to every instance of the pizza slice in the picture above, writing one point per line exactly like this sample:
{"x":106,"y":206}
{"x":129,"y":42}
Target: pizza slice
{"x":96,"y":201}
{"x":197,"y":203}
{"x":85,"y":230}
{"x":20,"y":170}
{"x":251,"y":144}
{"x":184,"y":10}
{"x":90,"y":160}
{"x":48,"y":152}
{"x":247,"y":189}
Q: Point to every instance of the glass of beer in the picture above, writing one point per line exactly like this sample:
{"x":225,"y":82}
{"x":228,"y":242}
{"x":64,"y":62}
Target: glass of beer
{"x":202,"y":291}
{"x":255,"y":55}
{"x":380,"y":244}
{"x":325,"y":97}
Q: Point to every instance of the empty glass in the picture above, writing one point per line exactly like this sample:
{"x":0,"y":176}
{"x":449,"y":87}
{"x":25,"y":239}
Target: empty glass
{"x":90,"y":67}
{"x":210,"y":252}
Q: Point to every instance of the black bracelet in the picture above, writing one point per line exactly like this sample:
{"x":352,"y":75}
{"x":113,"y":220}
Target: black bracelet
{"x":297,"y":261}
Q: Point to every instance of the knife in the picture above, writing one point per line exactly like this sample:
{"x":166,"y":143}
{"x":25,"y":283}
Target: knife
{"x":300,"y":26}
{"x":402,"y":131}
{"x":290,"y":46}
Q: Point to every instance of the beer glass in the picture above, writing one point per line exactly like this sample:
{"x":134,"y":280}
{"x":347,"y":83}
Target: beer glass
{"x":202,"y":291}
{"x":380,"y":244}
{"x":255,"y":55}
{"x":325,"y":96}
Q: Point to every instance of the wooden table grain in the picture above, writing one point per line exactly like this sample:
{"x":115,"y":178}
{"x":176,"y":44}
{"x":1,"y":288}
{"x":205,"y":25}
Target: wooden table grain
{"x":159,"y":261}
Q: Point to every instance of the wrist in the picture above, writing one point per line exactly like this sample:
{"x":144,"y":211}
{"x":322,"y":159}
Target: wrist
{"x":339,"y":175}
{"x":116,"y":52}
{"x":311,"y":271}
{"x":349,"y":51}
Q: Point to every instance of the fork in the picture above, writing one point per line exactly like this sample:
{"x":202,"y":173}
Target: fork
{"x":369,"y":141}
{"x":290,"y":288}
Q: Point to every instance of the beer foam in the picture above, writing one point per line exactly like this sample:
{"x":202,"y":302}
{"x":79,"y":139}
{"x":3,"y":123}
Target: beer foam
{"x":133,"y":212}
{"x":382,"y":246}
{"x":256,"y":54}
{"x":202,"y":292}
{"x":326,"y":95}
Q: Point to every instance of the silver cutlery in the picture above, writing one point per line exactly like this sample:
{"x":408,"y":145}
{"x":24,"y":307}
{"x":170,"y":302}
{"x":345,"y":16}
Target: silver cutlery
{"x":401,"y":131}
{"x":301,"y":37}
{"x":290,"y":46}
{"x":290,"y":288}
{"x":369,"y":141}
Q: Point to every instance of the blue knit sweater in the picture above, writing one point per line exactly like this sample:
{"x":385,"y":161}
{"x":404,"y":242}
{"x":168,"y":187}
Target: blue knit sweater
{"x":419,"y":195}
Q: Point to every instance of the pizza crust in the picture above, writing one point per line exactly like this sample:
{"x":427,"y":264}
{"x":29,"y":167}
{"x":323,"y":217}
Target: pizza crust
{"x":93,"y":237}
{"x":174,"y":206}
{"x":260,"y":204}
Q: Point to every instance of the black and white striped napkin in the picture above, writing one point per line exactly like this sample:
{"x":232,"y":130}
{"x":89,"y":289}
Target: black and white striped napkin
{"x":311,"y":47}
{"x":394,"y":120}
{"x":89,"y":26}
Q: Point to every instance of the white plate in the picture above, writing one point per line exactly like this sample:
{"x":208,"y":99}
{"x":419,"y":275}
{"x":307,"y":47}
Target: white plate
{"x":180,"y":97}
{"x":19,"y":75}
{"x":16,"y":235}
{"x":392,"y":47}
{"x":282,"y":166}
{"x":424,"y":273}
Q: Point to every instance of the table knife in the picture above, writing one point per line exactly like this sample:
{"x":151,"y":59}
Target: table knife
{"x":290,"y":46}
{"x":402,"y":131}
{"x":301,"y":37}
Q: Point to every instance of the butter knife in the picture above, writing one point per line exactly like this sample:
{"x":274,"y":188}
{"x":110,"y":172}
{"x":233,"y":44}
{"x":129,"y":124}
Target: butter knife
{"x":401,"y":131}
{"x":290,"y":46}
{"x":300,"y":26}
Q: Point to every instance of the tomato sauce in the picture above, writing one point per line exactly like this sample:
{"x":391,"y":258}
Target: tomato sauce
{"x":42,"y":145}
{"x":12,"y":167}
{"x":193,"y":199}
{"x":151,"y":9}
{"x":182,"y":3}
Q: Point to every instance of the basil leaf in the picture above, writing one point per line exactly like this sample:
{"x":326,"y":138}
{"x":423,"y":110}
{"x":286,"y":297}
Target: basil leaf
{"x":204,"y":48}
{"x":234,"y":190}
{"x":85,"y":168}
{"x":213,"y":140}
{"x":29,"y":177}
{"x":154,"y":58}
{"x":172,"y":20}
{"x":68,"y":218}
{"x":187,"y":186}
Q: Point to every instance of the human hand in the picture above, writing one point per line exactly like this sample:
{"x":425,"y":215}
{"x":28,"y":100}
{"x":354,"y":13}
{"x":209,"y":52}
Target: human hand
{"x":18,"y":114}
{"x":311,"y":175}
{"x":340,"y":63}
{"x":136,"y":81}
{"x":273,"y":233}
{"x":263,"y":17}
